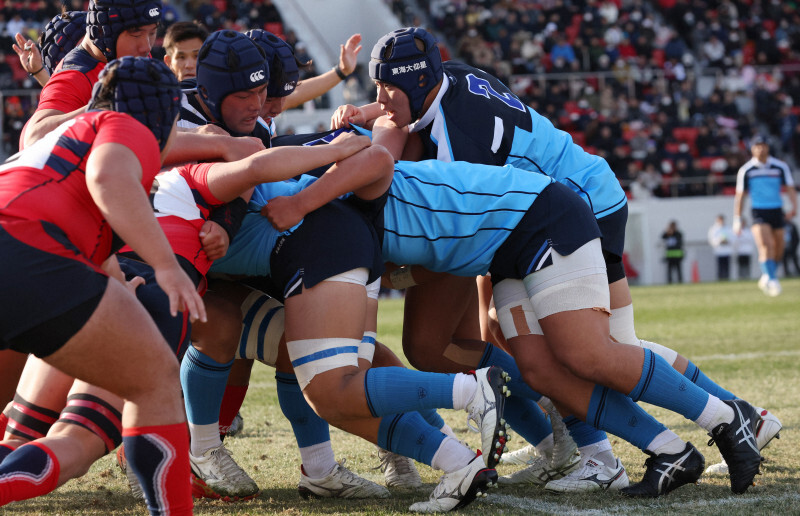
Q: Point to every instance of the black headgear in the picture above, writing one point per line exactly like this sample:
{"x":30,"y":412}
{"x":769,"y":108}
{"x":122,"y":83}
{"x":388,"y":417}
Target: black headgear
{"x":283,"y":70}
{"x":63,"y":33}
{"x":144,"y":88}
{"x":107,"y":19}
{"x":397,"y":60}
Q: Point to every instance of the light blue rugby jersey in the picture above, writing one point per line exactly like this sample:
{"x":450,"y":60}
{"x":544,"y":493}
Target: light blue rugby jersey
{"x":250,"y":251}
{"x":764,"y":181}
{"x":477,"y":118}
{"x":452,"y":217}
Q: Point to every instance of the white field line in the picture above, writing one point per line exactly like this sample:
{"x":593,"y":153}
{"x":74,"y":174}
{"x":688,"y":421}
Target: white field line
{"x":747,"y":356}
{"x":531,"y":504}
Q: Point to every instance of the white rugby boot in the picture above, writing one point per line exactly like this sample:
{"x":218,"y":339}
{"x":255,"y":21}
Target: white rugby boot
{"x":399,"y":471}
{"x":593,"y":475}
{"x":486,"y":409}
{"x":216,"y":475}
{"x":339,"y":483}
{"x":459,"y":488}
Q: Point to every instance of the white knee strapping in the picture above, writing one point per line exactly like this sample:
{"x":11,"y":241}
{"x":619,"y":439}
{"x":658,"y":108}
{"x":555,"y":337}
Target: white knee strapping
{"x":358,"y":276}
{"x":572,"y":282}
{"x":311,"y":357}
{"x":262,"y":328}
{"x":515,"y":313}
{"x":366,"y":349}
{"x":621,"y":325}
{"x":374,"y":289}
{"x":670,"y":355}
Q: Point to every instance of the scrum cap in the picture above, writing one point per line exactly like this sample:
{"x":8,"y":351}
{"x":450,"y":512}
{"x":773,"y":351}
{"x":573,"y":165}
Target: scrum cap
{"x":144,"y":88}
{"x":409,"y":60}
{"x":283,"y":70}
{"x":229,"y":62}
{"x":63,"y":33}
{"x":107,"y":19}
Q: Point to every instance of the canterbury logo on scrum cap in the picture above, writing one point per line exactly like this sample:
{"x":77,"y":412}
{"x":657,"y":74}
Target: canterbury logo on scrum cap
{"x":257,"y":76}
{"x":153,"y":12}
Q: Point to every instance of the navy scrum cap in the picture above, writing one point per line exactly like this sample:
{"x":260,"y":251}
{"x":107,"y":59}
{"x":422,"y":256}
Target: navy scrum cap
{"x":229,"y":62}
{"x":63,"y":33}
{"x":283,"y":70}
{"x":408,"y":59}
{"x":144,"y":88}
{"x":107,"y":19}
{"x":758,"y":139}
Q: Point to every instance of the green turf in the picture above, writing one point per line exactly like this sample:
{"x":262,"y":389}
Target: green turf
{"x":746,"y":341}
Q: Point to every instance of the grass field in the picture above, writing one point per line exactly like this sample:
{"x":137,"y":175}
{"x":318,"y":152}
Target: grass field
{"x":747,"y":342}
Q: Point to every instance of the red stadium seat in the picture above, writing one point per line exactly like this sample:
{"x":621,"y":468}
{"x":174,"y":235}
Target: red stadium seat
{"x":275,"y":28}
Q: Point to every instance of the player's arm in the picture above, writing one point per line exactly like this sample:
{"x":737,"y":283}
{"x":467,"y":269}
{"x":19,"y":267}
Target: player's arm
{"x":45,"y":120}
{"x":309,"y":89}
{"x":227,"y":181}
{"x":194,"y":146}
{"x":113,"y":177}
{"x":792,"y":192}
{"x":30,"y":57}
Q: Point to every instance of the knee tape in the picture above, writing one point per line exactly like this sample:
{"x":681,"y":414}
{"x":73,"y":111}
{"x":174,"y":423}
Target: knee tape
{"x":621,"y":325}
{"x":311,"y":357}
{"x":366,"y":349}
{"x":670,"y":355}
{"x":95,"y":415}
{"x":515,"y":312}
{"x":262,"y":328}
{"x":357,"y":276}
{"x":28,"y":421}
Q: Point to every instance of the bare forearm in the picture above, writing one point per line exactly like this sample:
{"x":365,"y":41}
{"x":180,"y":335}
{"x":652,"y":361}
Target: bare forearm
{"x":309,"y":89}
{"x":42,"y":122}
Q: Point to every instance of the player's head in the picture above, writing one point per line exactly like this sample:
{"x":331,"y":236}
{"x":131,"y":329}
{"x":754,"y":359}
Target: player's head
{"x":123,"y":27}
{"x":143,"y":88}
{"x":232,"y":78}
{"x":409,"y":60}
{"x":182,"y":43}
{"x":284,"y":70}
{"x":63,"y":33}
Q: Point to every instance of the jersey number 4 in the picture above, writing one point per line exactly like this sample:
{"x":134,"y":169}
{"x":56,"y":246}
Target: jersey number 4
{"x":478,"y":86}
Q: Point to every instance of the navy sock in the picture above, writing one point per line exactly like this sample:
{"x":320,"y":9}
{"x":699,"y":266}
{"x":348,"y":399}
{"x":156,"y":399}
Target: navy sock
{"x":615,"y":413}
{"x":661,"y":385}
{"x":409,"y":435}
{"x":527,"y":419}
{"x":309,"y":429}
{"x":698,"y":378}
{"x":493,"y":355}
{"x":583,"y":433}
{"x":203,"y":380}
{"x":393,"y":390}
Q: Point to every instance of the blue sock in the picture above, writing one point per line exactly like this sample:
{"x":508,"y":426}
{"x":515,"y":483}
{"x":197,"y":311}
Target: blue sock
{"x":527,"y":419}
{"x":697,"y":377}
{"x":772,"y":269}
{"x":203,"y":380}
{"x":392,"y":390}
{"x":432,"y":418}
{"x":661,"y":385}
{"x":409,"y":435}
{"x":583,"y":433}
{"x":493,"y":355}
{"x":614,"y":412}
{"x":309,"y":429}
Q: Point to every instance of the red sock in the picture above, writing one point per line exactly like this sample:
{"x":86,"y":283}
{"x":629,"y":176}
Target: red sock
{"x":3,"y":424}
{"x":231,"y":403}
{"x":29,"y":471}
{"x":159,"y":455}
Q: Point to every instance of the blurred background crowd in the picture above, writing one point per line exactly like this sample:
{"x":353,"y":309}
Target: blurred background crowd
{"x":668,"y":91}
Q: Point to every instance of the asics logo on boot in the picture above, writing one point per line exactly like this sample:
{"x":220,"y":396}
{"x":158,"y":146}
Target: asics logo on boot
{"x":668,"y":474}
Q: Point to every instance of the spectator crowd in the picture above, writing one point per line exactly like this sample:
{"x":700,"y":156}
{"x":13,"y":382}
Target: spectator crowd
{"x":668,"y":91}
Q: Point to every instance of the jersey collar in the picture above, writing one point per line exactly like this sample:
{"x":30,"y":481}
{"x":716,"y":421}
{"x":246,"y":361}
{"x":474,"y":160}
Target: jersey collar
{"x":429,"y":115}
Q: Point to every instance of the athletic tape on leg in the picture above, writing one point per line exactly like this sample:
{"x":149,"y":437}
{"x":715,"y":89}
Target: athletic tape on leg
{"x":515,"y":313}
{"x":311,"y":357}
{"x":262,"y":328}
{"x":366,"y":348}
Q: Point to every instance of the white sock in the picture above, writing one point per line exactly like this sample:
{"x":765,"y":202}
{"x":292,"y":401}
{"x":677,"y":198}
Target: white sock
{"x":715,"y":413}
{"x":446,"y":430}
{"x":451,"y":455}
{"x":318,"y":460}
{"x":600,"y":450}
{"x":464,"y":388}
{"x":203,"y":438}
{"x":545,"y":446}
{"x":666,"y":442}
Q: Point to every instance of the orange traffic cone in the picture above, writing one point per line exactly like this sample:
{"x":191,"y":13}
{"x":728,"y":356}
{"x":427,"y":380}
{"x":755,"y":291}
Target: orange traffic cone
{"x":695,"y":272}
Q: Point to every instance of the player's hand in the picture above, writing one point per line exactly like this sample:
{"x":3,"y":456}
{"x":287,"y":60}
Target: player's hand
{"x":181,"y":291}
{"x":29,"y":55}
{"x":283,"y":212}
{"x":350,"y":143}
{"x":134,"y":283}
{"x":210,"y":129}
{"x":346,"y":115}
{"x":241,"y":147}
{"x":214,"y":239}
{"x":348,"y":54}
